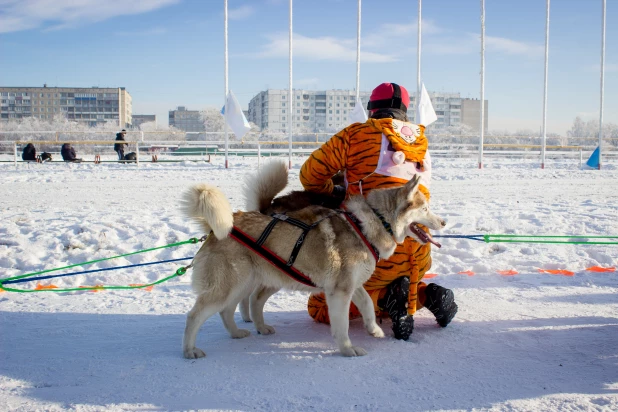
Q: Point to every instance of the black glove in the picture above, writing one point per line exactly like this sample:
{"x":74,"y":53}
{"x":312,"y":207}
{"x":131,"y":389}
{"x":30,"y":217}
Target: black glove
{"x":338,"y":192}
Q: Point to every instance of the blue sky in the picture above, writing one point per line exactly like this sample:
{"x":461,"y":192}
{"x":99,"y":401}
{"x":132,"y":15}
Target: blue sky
{"x":169,"y":53}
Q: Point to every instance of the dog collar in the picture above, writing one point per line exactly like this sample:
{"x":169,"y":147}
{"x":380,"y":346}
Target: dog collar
{"x":386,"y":225}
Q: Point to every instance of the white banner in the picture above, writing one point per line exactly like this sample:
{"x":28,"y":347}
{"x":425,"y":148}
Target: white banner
{"x":235,"y":118}
{"x":426,"y":114}
{"x":358,"y":115}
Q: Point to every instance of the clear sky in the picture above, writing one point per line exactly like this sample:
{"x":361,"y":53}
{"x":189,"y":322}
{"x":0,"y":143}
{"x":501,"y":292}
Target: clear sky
{"x":169,"y":53}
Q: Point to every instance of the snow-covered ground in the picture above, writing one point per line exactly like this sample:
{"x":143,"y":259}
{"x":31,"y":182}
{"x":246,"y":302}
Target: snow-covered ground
{"x":533,"y":341}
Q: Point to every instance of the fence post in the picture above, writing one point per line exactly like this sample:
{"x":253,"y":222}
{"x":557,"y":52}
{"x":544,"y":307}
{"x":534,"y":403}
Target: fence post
{"x":259,"y":154}
{"x":137,"y":153}
{"x":580,"y":158}
{"x":141,"y":133}
{"x":15,"y":153}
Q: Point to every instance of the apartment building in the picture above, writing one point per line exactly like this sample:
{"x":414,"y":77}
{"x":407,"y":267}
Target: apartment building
{"x":471,"y":113}
{"x":328,"y":110}
{"x":311,"y":111}
{"x":187,"y":120}
{"x":93,"y":105}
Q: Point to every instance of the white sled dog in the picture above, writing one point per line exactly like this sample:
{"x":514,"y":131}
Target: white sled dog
{"x":334,"y":256}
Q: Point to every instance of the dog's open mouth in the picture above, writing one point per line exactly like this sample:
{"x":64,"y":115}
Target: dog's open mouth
{"x":422,"y":235}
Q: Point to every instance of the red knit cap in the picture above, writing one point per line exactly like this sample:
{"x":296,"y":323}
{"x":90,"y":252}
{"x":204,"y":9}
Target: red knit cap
{"x":385,"y":91}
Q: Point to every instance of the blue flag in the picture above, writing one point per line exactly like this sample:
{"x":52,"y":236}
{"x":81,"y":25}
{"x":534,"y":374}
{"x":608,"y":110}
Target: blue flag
{"x":594,"y":159}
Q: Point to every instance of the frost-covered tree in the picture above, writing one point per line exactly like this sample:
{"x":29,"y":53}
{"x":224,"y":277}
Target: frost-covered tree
{"x":213,"y":120}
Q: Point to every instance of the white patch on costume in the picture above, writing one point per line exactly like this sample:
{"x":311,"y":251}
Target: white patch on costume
{"x":405,"y":170}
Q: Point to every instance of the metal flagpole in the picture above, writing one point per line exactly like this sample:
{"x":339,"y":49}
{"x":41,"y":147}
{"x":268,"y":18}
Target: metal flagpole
{"x":291,"y":96}
{"x":482,"y":125}
{"x":602,"y":83}
{"x":358,"y":35}
{"x":226,"y":79}
{"x":544,"y":137}
{"x":418,"y":62}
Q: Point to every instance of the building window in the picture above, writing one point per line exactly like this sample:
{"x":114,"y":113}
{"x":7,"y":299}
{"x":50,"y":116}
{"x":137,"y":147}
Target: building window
{"x":282,"y":104}
{"x":283,"y":111}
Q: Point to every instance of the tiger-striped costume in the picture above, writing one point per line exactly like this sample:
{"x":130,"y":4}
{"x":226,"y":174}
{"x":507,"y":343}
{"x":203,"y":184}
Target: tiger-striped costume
{"x":365,"y":151}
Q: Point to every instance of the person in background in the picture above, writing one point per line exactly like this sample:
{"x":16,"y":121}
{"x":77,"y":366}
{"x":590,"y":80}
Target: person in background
{"x":385,"y":151}
{"x":119,"y":147}
{"x":68,"y":153}
{"x":29,"y":153}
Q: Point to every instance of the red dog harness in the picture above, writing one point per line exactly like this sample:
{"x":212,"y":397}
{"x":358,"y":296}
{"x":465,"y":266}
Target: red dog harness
{"x":287,"y":266}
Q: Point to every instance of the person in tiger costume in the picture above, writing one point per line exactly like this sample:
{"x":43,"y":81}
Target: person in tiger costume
{"x":385,"y":151}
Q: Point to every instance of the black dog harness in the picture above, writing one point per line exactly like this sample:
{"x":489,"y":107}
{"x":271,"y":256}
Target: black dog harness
{"x":287,"y":266}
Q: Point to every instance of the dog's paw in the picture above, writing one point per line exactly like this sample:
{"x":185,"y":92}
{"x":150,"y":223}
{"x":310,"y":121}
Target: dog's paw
{"x":240,"y":333}
{"x":265,"y":330}
{"x":353,"y":351}
{"x":194,"y":353}
{"x":376,"y":331}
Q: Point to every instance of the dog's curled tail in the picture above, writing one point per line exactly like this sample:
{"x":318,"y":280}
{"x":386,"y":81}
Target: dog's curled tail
{"x":262,"y":187}
{"x":208,"y":206}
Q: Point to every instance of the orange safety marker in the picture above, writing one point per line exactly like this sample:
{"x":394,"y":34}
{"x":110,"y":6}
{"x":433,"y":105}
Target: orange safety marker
{"x":467,"y":272}
{"x":601,"y":269}
{"x":43,"y":287}
{"x":430,"y":275}
{"x":149,"y":288}
{"x":557,"y":272}
{"x":511,"y":272}
{"x":2,"y":290}
{"x":95,"y":286}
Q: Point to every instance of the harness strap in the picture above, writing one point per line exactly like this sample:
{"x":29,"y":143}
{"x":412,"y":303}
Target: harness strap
{"x":270,"y":257}
{"x":354,"y":221}
{"x":266,"y":232}
{"x":298,"y":223}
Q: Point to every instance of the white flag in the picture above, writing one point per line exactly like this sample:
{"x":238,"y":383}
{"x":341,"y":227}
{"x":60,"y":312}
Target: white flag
{"x":358,"y":115}
{"x":235,"y":118}
{"x":425,"y":114}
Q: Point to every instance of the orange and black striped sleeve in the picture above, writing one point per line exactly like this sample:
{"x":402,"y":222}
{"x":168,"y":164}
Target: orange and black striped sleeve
{"x":323,"y":163}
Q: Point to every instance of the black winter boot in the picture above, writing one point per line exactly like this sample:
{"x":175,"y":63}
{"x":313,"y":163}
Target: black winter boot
{"x":395,"y":302}
{"x":441,"y":302}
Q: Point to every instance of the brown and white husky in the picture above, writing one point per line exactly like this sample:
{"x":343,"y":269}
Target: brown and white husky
{"x":334,"y":256}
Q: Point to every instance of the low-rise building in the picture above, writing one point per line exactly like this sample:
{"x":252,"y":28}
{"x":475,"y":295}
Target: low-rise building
{"x":139,"y":119}
{"x":187,"y":120}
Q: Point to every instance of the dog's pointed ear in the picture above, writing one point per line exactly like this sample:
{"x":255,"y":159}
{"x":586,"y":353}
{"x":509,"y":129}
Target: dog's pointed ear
{"x":412,"y":186}
{"x":408,"y":190}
